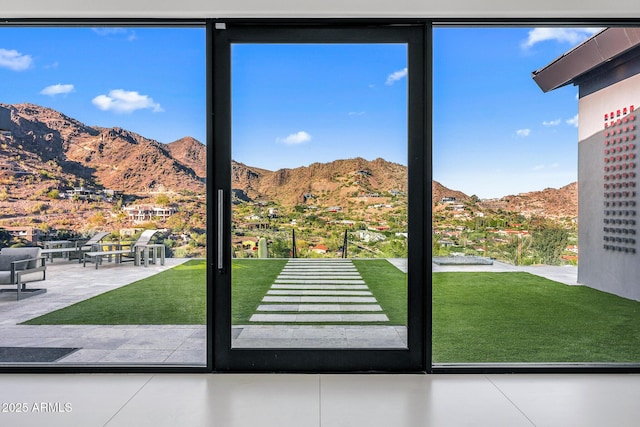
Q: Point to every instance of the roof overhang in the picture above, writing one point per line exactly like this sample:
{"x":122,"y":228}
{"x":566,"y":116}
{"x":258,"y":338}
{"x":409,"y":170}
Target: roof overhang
{"x":590,"y":54}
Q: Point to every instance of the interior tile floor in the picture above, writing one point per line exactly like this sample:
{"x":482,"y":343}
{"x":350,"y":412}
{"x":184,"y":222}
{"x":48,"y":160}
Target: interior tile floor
{"x":318,"y":400}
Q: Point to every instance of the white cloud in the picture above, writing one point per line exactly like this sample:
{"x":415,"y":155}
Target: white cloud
{"x":123,"y":101}
{"x":295,"y":138}
{"x":562,"y":35}
{"x":14,"y":60}
{"x":551,"y":122}
{"x":523,"y":132}
{"x":542,"y":167}
{"x":118,"y":32}
{"x":57,"y":89}
{"x":395,"y":76}
{"x":573,"y":121}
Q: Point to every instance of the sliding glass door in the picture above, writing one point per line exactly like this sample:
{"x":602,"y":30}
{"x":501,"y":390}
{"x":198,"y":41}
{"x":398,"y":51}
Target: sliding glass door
{"x":319,"y":146}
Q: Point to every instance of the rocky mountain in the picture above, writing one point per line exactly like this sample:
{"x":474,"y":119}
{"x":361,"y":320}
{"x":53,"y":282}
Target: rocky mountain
{"x":439,"y":192}
{"x":331,"y":183}
{"x":550,"y":202}
{"x":191,"y":153}
{"x":113,"y":158}
{"x":48,"y":143}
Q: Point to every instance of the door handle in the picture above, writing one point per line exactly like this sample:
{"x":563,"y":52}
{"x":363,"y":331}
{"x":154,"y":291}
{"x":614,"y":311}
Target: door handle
{"x":220,"y":235}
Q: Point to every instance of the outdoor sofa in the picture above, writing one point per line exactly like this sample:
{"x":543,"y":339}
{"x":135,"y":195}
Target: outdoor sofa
{"x":18,"y":266}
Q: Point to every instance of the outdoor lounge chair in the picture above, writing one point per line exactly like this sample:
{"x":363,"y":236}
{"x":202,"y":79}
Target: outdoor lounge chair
{"x":19,"y":266}
{"x":96,"y":256}
{"x":77,"y":250}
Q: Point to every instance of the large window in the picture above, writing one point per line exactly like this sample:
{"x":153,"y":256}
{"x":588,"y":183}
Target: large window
{"x":103,"y":173}
{"x":243,"y":196}
{"x":518,"y":276}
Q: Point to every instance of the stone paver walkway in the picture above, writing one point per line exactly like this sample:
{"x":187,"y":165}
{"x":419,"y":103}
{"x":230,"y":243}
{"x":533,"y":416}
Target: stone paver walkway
{"x":317,"y":292}
{"x":302,"y":284}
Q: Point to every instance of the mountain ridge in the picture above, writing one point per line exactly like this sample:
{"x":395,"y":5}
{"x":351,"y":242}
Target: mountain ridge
{"x":112,"y":158}
{"x":67,"y":152}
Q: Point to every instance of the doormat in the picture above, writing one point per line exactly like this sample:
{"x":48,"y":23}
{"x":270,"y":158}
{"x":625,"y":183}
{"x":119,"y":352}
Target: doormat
{"x":33,"y":354}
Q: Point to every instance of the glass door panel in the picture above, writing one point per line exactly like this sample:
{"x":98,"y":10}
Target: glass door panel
{"x":319,"y":195}
{"x":319,"y":174}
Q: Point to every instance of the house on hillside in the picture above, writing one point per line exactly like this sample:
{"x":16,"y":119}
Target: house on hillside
{"x":26,"y":233}
{"x":8,"y":169}
{"x":145,"y":213}
{"x":606,"y":69}
{"x":319,"y":249}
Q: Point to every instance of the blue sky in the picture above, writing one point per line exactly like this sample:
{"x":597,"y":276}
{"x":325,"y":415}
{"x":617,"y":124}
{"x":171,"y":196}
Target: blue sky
{"x":495,"y":133}
{"x":294,"y":105}
{"x":147,"y":80}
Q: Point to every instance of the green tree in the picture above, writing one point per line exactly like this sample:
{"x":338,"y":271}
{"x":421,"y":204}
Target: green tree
{"x":549,"y":242}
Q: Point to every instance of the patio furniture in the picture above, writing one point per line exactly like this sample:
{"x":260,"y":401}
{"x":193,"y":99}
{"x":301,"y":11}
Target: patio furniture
{"x":150,"y":252}
{"x":67,"y":247}
{"x":19,"y":266}
{"x":115,"y":250}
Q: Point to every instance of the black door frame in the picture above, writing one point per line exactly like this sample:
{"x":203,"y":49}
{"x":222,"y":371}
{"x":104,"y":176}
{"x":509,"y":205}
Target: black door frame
{"x":417,"y":357}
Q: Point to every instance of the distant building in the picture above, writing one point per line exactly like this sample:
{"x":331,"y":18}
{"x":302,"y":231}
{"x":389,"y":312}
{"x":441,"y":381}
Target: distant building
{"x":11,"y":169}
{"x":319,"y":249}
{"x":370,"y":236}
{"x":29,"y":234}
{"x":606,"y":69}
{"x":145,"y":213}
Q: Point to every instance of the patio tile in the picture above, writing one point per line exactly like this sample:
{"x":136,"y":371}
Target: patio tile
{"x":299,"y":299}
{"x":319,"y":307}
{"x":83,"y":356}
{"x":323,"y":281}
{"x":133,"y":356}
{"x":190,"y":357}
{"x":316,"y":292}
{"x":326,"y":287}
{"x":285,"y":318}
{"x":305,"y":273}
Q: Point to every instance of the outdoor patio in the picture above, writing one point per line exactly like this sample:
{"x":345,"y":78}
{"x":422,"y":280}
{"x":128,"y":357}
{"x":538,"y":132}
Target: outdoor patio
{"x":69,"y":282}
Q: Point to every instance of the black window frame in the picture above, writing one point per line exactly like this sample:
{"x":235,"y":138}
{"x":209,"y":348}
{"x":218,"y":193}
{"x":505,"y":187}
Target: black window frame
{"x":421,"y":336}
{"x":416,"y":357}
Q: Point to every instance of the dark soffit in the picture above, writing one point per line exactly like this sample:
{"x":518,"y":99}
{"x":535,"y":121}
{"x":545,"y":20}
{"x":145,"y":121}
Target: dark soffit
{"x":590,"y":54}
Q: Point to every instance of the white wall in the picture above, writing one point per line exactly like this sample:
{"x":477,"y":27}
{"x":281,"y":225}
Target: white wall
{"x":318,"y":8}
{"x":609,"y":271}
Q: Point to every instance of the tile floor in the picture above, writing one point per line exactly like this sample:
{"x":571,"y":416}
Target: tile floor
{"x":233,"y":400}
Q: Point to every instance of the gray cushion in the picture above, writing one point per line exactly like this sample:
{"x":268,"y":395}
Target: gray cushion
{"x":6,"y":260}
{"x":29,"y":252}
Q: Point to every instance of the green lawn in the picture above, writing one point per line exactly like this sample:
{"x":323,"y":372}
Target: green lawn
{"x":251,"y":279}
{"x":388,"y":285}
{"x":477,"y":317}
{"x":176,"y":296}
{"x":519,"y":317}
